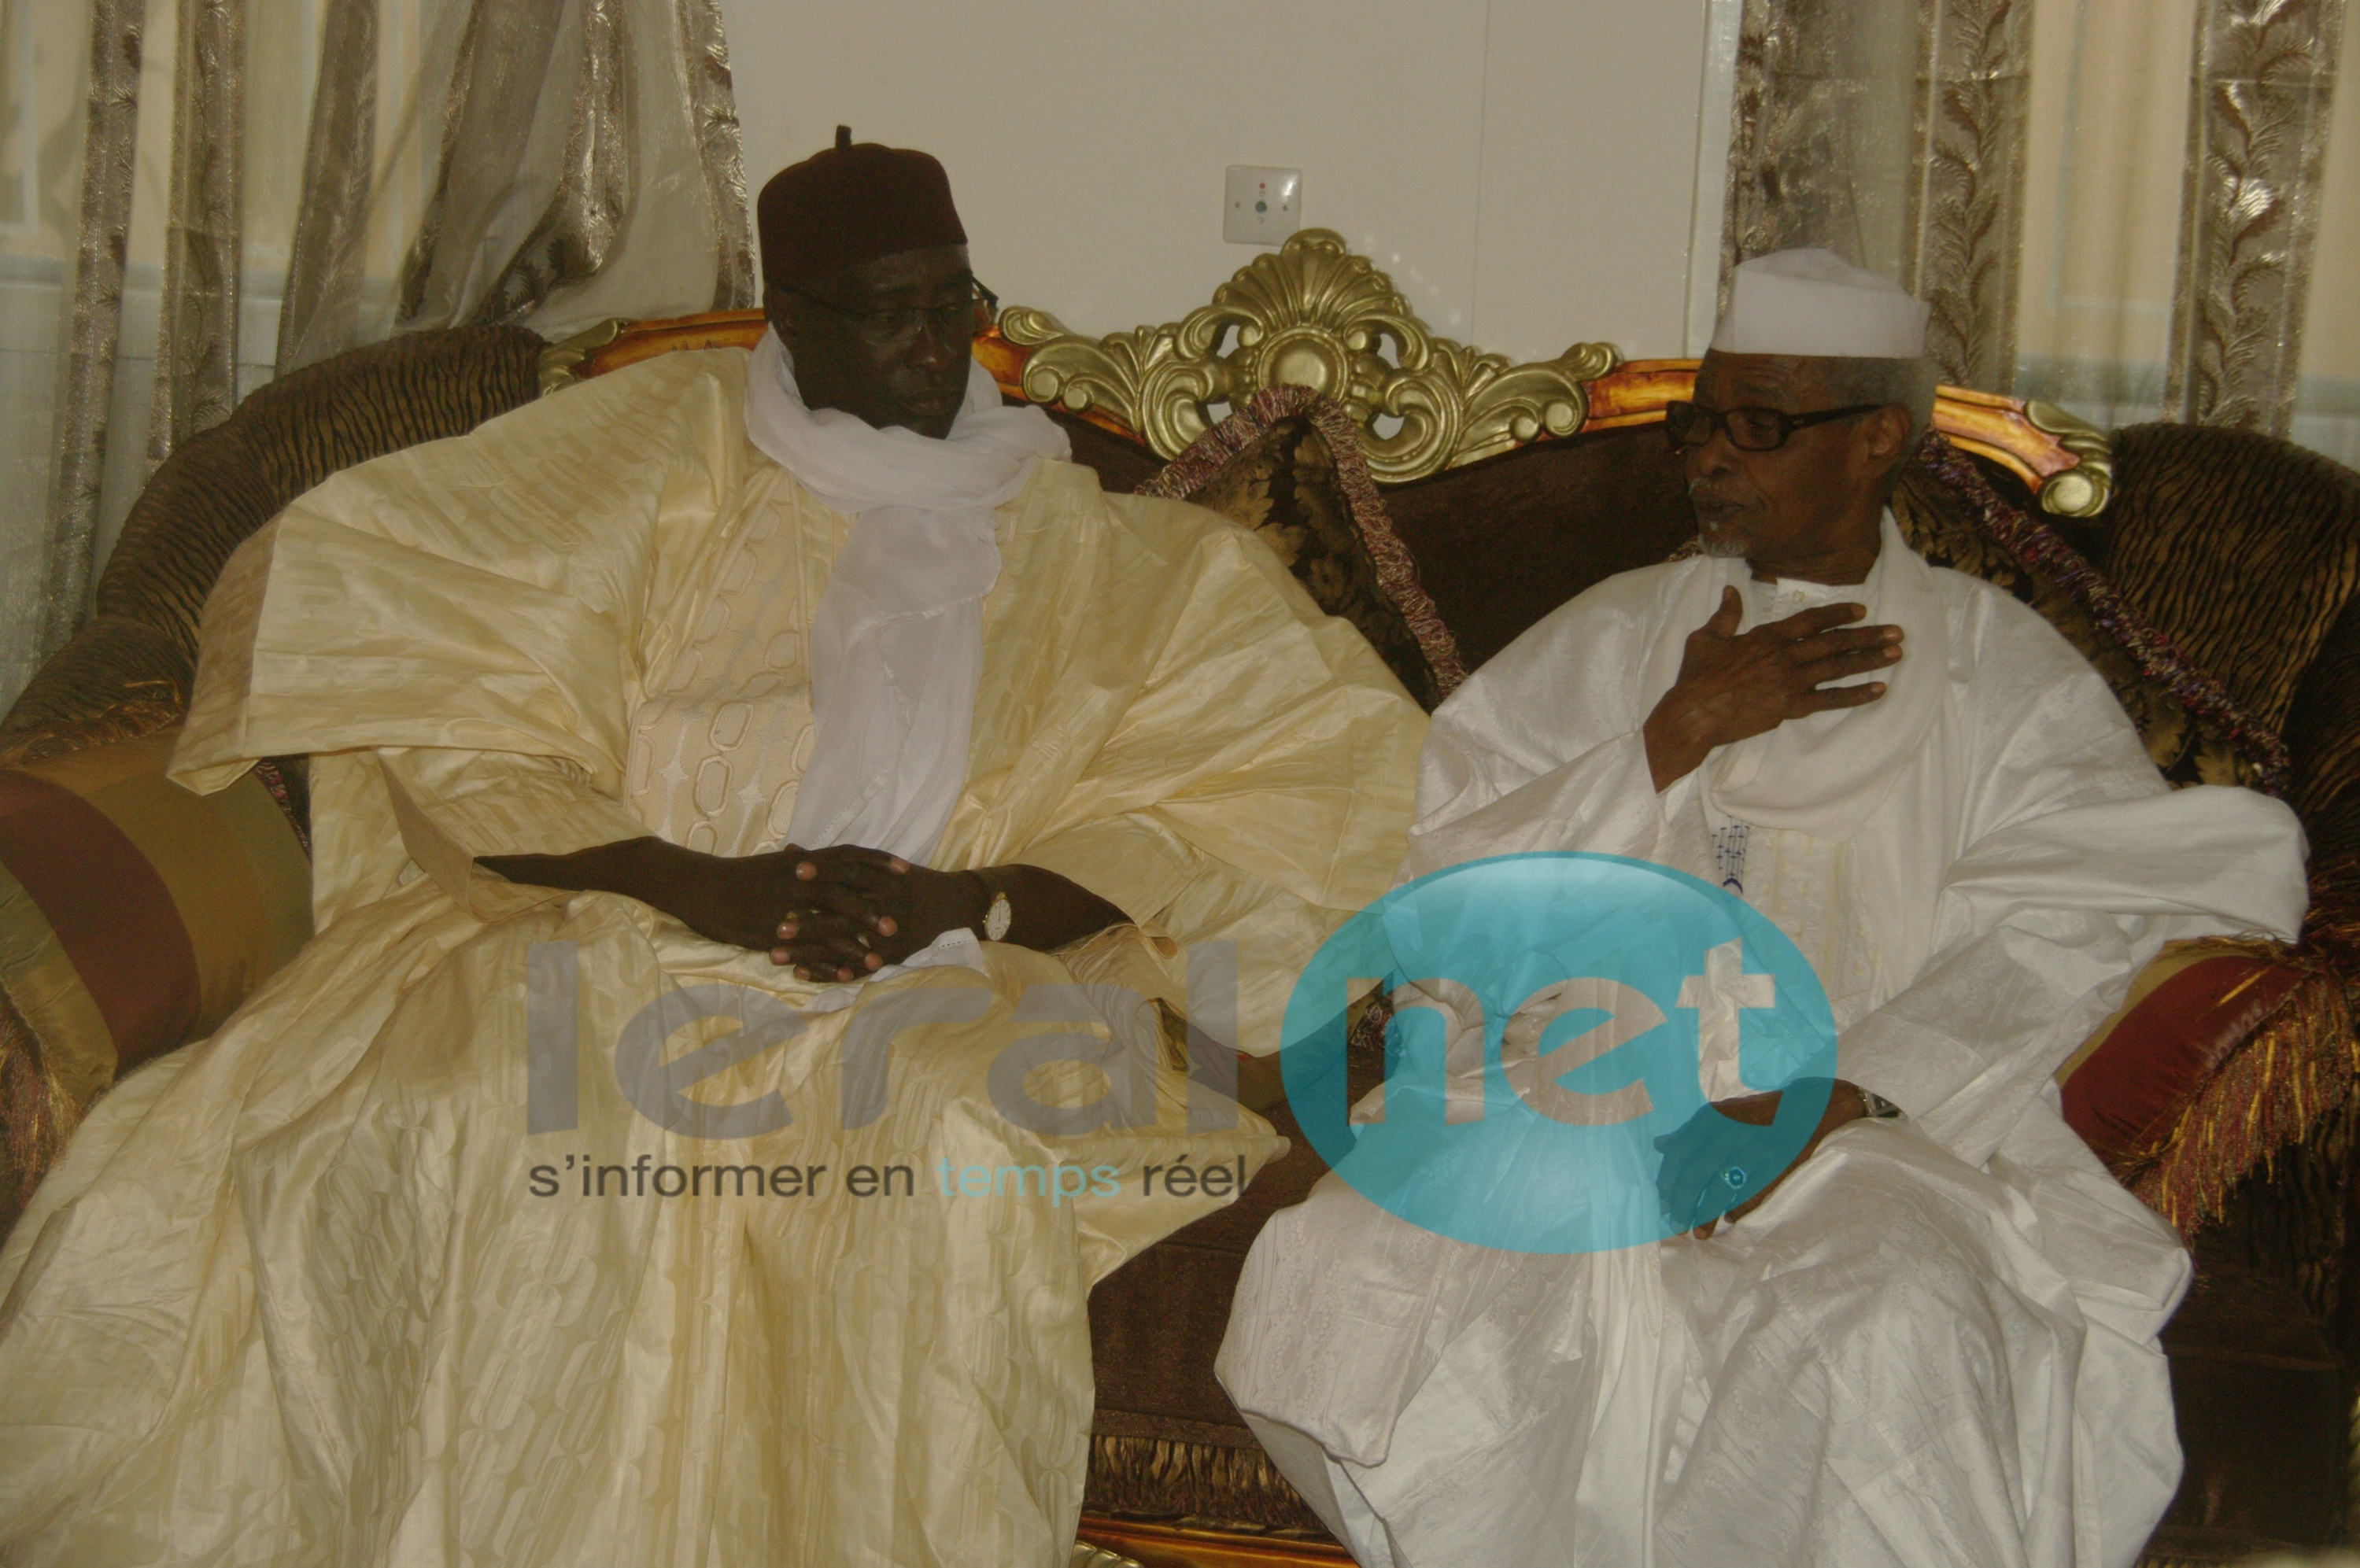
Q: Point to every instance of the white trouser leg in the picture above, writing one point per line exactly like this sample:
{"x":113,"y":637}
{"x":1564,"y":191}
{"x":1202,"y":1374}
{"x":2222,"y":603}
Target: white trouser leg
{"x":1328,"y":1489}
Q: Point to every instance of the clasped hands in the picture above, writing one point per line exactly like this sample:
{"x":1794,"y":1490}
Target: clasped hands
{"x":834,"y":913}
{"x":840,"y":912}
{"x":1732,"y":686}
{"x":831,"y":914}
{"x":1733,"y":1146}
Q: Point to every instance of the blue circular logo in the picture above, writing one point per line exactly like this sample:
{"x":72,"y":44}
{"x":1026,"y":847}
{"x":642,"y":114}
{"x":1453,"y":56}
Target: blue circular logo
{"x":1561,"y":1026}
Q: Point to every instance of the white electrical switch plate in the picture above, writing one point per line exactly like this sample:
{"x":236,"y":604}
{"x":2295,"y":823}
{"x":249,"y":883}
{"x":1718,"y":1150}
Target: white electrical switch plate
{"x":1263,"y":205}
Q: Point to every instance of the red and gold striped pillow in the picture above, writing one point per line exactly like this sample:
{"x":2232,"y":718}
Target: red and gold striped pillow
{"x":135,"y":915}
{"x":2223,"y":1052}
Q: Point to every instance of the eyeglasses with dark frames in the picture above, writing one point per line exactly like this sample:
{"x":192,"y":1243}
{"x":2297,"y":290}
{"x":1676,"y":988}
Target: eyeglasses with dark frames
{"x":975,"y":313}
{"x":1750,"y":430}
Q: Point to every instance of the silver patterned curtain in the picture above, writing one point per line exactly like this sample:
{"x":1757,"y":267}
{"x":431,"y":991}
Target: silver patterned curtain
{"x":1894,"y":136}
{"x":49,"y":583}
{"x":641,"y":156}
{"x":430,"y":183}
{"x":197,"y":326}
{"x":327,"y":261}
{"x":1901,"y":135}
{"x":2261,"y":87}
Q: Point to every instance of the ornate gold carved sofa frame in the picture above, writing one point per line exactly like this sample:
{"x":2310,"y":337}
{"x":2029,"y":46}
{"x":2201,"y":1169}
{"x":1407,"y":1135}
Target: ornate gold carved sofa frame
{"x":1313,"y":314}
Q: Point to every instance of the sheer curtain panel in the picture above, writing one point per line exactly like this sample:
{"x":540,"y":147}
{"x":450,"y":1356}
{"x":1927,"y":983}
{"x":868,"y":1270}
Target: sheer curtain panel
{"x":2117,"y":205}
{"x":1893,"y":134}
{"x":266,"y":183}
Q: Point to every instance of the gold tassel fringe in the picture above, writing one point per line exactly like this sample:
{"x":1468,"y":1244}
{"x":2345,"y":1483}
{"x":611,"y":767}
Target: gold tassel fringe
{"x":1208,"y":1484}
{"x":2290,"y":1073}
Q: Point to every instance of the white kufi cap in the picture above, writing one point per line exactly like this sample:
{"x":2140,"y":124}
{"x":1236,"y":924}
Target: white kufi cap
{"x":1814,"y":303}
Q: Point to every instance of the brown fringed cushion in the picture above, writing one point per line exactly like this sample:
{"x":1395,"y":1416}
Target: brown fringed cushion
{"x":1288,"y":466}
{"x":2193,"y":730}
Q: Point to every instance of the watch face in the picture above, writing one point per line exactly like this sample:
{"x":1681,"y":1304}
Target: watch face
{"x":998,"y":920}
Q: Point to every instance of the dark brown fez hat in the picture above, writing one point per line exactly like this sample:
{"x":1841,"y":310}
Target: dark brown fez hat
{"x":852,"y":203}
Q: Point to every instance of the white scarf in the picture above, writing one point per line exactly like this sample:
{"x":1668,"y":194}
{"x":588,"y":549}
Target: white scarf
{"x":896,"y":640}
{"x":1827,"y":772}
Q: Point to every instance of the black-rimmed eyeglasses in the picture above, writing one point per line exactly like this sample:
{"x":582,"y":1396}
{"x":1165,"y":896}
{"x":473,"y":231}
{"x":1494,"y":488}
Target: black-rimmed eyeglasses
{"x":972,"y":312}
{"x":1750,"y":430}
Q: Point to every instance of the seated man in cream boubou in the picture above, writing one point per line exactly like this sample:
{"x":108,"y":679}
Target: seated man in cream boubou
{"x":816,"y":673}
{"x":1933,"y":1340}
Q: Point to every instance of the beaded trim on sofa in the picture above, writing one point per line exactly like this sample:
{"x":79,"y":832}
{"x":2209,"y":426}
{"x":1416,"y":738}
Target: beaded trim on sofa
{"x":2038,"y":548}
{"x":1396,"y":570}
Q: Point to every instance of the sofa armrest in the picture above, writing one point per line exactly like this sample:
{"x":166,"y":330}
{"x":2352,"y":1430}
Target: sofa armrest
{"x":114,"y":679}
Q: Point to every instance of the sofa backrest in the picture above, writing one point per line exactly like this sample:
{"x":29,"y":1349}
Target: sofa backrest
{"x":2246,"y":551}
{"x":288,"y":437}
{"x":1503,"y":542}
{"x":2247,"y":548}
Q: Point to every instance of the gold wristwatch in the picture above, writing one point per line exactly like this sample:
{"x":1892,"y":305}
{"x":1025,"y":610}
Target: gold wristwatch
{"x":999,"y":916}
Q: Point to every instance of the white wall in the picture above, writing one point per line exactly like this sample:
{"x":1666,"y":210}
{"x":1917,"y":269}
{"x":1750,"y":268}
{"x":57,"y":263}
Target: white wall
{"x":1523,"y":168}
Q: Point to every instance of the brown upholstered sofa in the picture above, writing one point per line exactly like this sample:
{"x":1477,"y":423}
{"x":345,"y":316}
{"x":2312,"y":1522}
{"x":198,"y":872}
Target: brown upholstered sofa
{"x":2211,"y":574}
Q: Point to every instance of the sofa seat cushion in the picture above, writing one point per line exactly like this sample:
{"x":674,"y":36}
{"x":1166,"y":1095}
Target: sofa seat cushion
{"x":1166,"y":1441}
{"x":2260,"y":1396}
{"x":2256,"y":1386}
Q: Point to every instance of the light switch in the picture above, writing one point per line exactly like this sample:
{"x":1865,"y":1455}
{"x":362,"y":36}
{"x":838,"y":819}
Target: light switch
{"x":1263,"y":206}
